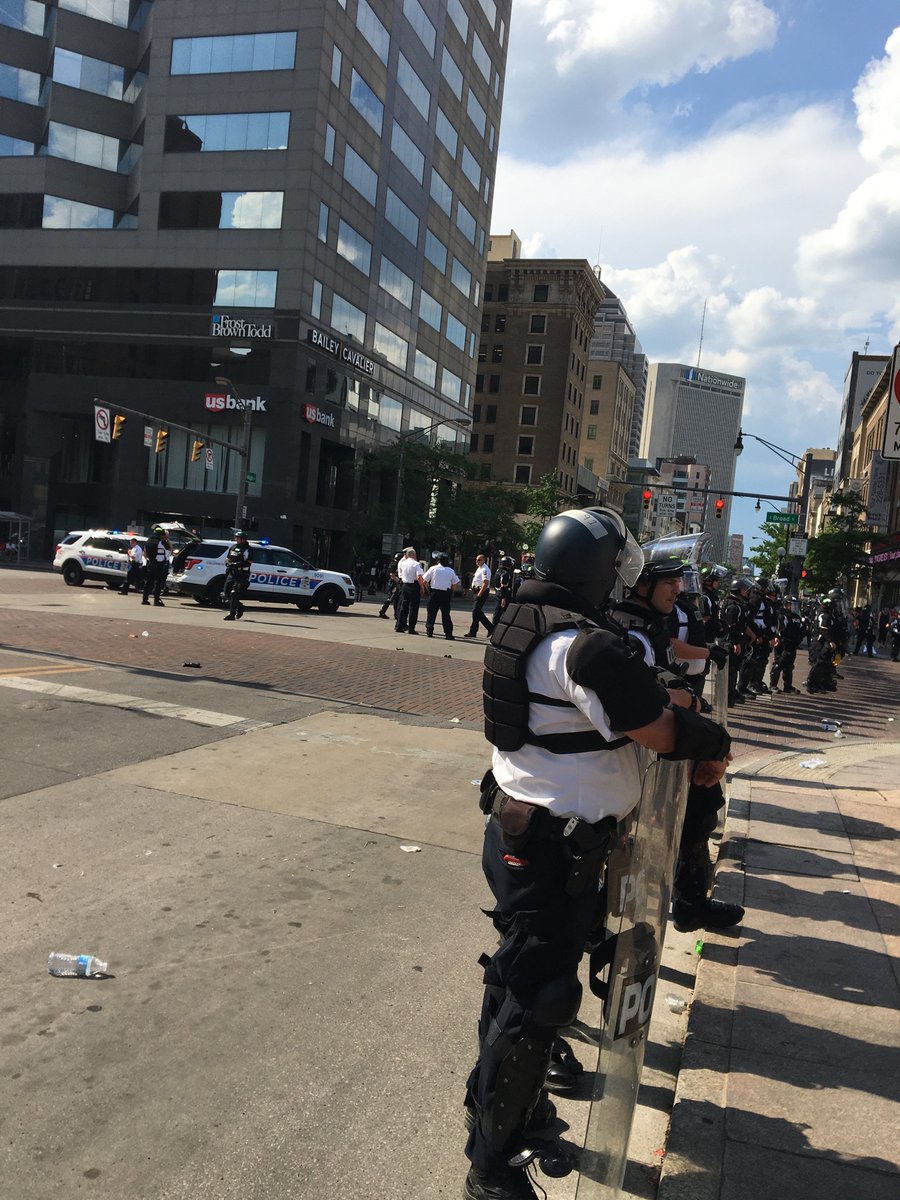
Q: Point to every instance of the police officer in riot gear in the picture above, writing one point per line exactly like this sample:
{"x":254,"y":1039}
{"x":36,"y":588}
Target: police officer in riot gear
{"x":566,"y":698}
{"x":736,"y":620}
{"x":393,"y":589}
{"x":157,"y":553}
{"x":791,"y":633}
{"x":504,"y":583}
{"x":238,"y":561}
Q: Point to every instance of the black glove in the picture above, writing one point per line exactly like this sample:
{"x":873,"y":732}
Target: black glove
{"x":718,"y":655}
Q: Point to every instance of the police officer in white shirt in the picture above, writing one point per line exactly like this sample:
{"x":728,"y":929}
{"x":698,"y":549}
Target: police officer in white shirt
{"x":412,"y":588}
{"x":135,"y":576}
{"x":481,"y":589}
{"x":442,"y":581}
{"x":566,"y":697}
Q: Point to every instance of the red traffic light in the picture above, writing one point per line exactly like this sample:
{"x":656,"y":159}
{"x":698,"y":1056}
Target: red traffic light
{"x":648,"y":496}
{"x":720,"y":504}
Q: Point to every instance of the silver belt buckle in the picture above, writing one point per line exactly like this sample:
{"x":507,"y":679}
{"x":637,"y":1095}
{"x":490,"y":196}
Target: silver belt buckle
{"x":571,"y":826}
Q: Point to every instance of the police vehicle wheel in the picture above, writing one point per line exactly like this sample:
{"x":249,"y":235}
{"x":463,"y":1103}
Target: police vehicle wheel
{"x":73,"y":574}
{"x":328,"y":600}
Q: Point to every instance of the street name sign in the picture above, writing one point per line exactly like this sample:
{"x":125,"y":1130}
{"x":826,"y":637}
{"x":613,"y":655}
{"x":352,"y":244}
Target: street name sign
{"x":782,"y":518}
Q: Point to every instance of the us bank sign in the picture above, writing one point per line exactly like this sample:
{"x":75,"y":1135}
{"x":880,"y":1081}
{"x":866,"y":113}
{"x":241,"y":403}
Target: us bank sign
{"x":236,"y":327}
{"x":340,"y":350}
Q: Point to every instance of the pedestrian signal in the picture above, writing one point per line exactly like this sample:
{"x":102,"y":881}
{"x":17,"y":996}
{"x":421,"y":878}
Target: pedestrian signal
{"x":720,"y":504}
{"x":648,"y":496}
{"x":196,"y":451}
{"x":803,"y":573}
{"x":118,"y":424}
{"x":162,"y":436}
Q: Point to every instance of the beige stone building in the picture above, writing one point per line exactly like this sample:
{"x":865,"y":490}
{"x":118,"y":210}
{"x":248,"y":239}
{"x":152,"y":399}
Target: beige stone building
{"x":603,"y":445}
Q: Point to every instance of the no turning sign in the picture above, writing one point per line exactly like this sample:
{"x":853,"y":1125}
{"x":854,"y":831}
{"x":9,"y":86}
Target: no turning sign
{"x":101,"y":423}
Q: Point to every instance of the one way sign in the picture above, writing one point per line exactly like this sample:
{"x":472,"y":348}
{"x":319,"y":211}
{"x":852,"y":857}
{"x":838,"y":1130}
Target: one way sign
{"x":892,"y":417}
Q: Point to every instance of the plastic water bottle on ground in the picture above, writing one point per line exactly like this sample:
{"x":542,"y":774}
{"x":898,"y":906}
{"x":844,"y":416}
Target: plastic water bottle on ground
{"x":76,"y":964}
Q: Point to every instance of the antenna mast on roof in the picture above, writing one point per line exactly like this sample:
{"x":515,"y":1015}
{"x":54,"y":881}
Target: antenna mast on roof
{"x":702,"y":326}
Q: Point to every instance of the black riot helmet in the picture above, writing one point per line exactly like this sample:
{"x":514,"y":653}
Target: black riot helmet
{"x":586,"y":550}
{"x":657,"y":569}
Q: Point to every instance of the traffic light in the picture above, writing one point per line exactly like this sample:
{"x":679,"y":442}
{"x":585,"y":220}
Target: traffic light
{"x":803,"y":573}
{"x":197,"y":450}
{"x":720,"y":504}
{"x":647,"y":497}
{"x":162,"y":436}
{"x":118,"y":425}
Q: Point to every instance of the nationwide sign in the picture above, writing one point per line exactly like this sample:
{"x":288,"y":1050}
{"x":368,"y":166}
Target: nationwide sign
{"x":891,"y":448}
{"x":236,"y":327}
{"x":220,"y":401}
{"x":340,"y":350}
{"x":726,"y":382}
{"x":318,"y":416}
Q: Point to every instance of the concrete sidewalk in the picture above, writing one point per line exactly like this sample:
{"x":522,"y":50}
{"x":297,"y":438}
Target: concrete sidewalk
{"x":790,"y":1079}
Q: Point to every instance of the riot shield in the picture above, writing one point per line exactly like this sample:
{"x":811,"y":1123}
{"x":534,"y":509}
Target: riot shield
{"x":624,"y":969}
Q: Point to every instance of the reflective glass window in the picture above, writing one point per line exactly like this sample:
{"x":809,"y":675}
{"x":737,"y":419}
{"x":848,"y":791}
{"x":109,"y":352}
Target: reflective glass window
{"x":411,"y":83}
{"x":233,"y":52}
{"x":60,"y":213}
{"x":21,"y":210}
{"x":23,"y":14}
{"x":486,"y":190}
{"x":446,"y":132}
{"x":425,"y":369}
{"x":114,"y":12}
{"x":336,"y":61}
{"x":461,"y":278}
{"x":322,"y":231}
{"x":396,"y":282}
{"x":429,"y":310}
{"x":390,"y":346}
{"x":227,"y":131}
{"x":452,"y":73}
{"x":458,"y":16}
{"x":354,"y":248}
{"x":418,"y":18}
{"x":372,"y":30}
{"x":471,"y":169}
{"x":329,"y":145}
{"x":11,"y":147}
{"x":451,"y":385}
{"x":401,"y":217}
{"x":347,"y":318}
{"x":220,"y":210}
{"x":360,"y":175}
{"x":477,"y":115}
{"x":18,"y":84}
{"x":82,"y":146}
{"x":456,"y":332}
{"x":245,"y":289}
{"x":88,"y":74}
{"x":408,"y":152}
{"x":481,"y":57}
{"x":465,"y":222}
{"x":366,"y":102}
{"x":441,"y":192}
{"x":490,"y":11}
{"x":316,"y":303}
{"x":435,"y":251}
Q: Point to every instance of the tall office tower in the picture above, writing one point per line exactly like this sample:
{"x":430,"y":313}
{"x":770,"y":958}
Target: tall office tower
{"x":862,"y":375}
{"x":614,"y":339}
{"x":697,"y":413}
{"x":532,"y":367}
{"x":309,"y":181}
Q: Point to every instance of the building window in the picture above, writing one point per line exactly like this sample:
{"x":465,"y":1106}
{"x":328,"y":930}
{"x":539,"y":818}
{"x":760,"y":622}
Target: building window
{"x":473,"y":443}
{"x":479,"y":383}
{"x":461,"y":278}
{"x":245,"y":289}
{"x":597,"y":383}
{"x":336,"y":62}
{"x":372,"y":30}
{"x":500,"y":322}
{"x":451,"y":385}
{"x":481,"y":57}
{"x":589,"y":464}
{"x":425,"y":369}
{"x":220,"y":210}
{"x":482,"y":352}
{"x":231,"y":53}
{"x":415,"y":14}
{"x":502,"y":292}
{"x":401,"y":217}
{"x":27,"y":15}
{"x":328,"y":152}
{"x":523,"y":474}
{"x":534,"y":355}
{"x":465,"y":222}
{"x":79,"y":71}
{"x":429,"y":310}
{"x":412,"y":84}
{"x":497,"y":352}
{"x":452,"y":73}
{"x":322,"y":231}
{"x":494,"y":383}
{"x":446,"y":132}
{"x":435,"y":251}
{"x":60,"y":213}
{"x":490,"y":415}
{"x":441,"y":192}
{"x":487,"y":445}
{"x":360,"y":175}
{"x":316,"y":307}
{"x":347,"y":318}
{"x":407,"y":152}
{"x":538,"y":323}
{"x":354,"y":247}
{"x":390,"y":346}
{"x":396,"y":282}
{"x":227,"y":131}
{"x":476,"y":414}
{"x":595,"y":407}
{"x":526,"y":444}
{"x":366,"y":102}
{"x":476,"y":113}
{"x":484,"y":472}
{"x":470,"y":167}
{"x":531,"y":385}
{"x":457,"y":15}
{"x":456,"y":332}
{"x":528,"y":414}
{"x":592,"y":433}
{"x":541,"y":293}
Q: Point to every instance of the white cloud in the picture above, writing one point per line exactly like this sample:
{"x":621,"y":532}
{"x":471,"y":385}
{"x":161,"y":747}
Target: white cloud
{"x":877,"y":99}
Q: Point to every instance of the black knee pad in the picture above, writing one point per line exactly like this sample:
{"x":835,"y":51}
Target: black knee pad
{"x":557,"y":1002}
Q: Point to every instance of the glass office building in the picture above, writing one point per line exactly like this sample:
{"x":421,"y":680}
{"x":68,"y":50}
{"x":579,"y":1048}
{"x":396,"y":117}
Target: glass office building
{"x":309,"y":181}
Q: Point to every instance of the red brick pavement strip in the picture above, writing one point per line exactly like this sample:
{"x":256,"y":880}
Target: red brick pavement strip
{"x":397,"y":681}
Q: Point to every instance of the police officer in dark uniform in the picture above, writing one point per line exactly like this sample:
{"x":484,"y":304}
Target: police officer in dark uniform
{"x":823,"y":645}
{"x":711,"y":576}
{"x":238,"y":562}
{"x":157,"y":553}
{"x":504,"y":582}
{"x":566,"y":698}
{"x":393,"y":589}
{"x":790,"y":634}
{"x":735,"y":620}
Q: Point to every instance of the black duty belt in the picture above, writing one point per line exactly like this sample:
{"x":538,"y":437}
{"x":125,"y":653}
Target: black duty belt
{"x":585,"y":835}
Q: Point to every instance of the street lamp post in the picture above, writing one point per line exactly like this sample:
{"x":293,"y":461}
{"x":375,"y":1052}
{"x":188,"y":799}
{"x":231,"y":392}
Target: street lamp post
{"x":402,"y":439}
{"x":243,"y":450}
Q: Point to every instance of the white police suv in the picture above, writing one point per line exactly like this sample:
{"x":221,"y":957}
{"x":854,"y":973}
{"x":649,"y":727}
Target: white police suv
{"x":277,"y":576}
{"x":100,"y":554}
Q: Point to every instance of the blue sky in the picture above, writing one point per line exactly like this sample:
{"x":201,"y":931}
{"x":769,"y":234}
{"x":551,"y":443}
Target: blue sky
{"x":745,"y":153}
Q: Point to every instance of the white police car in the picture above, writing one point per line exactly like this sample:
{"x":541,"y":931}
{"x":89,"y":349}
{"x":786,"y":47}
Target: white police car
{"x":100,"y":554}
{"x":277,"y":576}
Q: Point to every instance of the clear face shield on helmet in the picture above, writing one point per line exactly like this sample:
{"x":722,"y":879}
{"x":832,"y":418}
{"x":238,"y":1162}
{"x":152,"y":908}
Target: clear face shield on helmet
{"x":690,"y":580}
{"x":630,"y":561}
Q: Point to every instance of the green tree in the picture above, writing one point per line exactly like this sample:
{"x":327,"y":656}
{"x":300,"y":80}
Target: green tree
{"x":541,"y":503}
{"x":839,"y":554}
{"x":764,"y":555}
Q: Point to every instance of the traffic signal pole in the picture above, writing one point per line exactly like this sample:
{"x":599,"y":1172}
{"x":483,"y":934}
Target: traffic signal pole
{"x":134,"y":412}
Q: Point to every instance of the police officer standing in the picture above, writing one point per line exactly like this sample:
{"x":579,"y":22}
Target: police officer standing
{"x":567,"y":700}
{"x":442,"y":581}
{"x":157,"y":553}
{"x":412,"y":588}
{"x":393,"y":590}
{"x":238,"y":562}
{"x":790,"y":634}
{"x":503,"y":585}
{"x":481,"y":587}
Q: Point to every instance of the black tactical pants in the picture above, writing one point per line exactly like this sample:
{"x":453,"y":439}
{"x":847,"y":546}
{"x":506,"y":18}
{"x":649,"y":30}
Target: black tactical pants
{"x":408,"y":607}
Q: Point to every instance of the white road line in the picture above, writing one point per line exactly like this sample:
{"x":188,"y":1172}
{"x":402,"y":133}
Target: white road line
{"x":159,"y":708}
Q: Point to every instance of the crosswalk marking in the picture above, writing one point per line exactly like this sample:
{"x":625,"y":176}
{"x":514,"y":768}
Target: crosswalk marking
{"x":59,"y":669}
{"x":158,"y":708}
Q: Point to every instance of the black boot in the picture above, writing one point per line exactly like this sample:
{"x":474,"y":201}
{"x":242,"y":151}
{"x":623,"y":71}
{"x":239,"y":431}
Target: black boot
{"x":705,"y":914}
{"x":565,"y":1070}
{"x":505,"y":1183}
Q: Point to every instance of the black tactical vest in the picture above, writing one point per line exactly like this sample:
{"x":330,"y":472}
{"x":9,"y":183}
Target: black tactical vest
{"x":653,"y":626}
{"x":506,"y":695}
